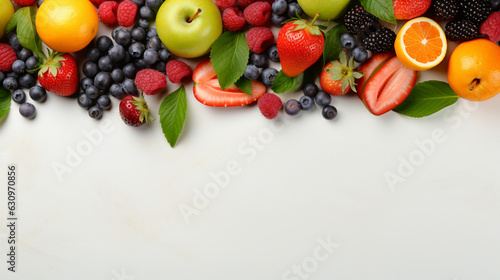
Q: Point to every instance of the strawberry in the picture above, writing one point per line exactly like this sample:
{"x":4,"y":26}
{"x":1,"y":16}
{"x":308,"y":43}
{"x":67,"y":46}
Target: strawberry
{"x":369,"y":67}
{"x":59,"y":74}
{"x":207,"y":90}
{"x":134,"y":111}
{"x":337,"y":77}
{"x":300,"y":45}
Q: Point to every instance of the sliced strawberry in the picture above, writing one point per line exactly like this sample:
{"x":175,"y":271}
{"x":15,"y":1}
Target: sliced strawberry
{"x":388,"y":87}
{"x":207,"y":90}
{"x":369,"y":67}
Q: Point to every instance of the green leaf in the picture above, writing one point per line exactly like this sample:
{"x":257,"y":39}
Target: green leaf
{"x":313,"y":71}
{"x":332,"y":47}
{"x":283,"y":83}
{"x":229,"y":56}
{"x":245,"y":85}
{"x":173,"y":114}
{"x":383,"y":9}
{"x":427,"y":98}
{"x":23,"y":21}
{"x":5,"y":98}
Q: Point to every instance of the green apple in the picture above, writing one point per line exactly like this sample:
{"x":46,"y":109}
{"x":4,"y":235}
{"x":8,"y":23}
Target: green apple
{"x":188,"y":28}
{"x":327,"y":9}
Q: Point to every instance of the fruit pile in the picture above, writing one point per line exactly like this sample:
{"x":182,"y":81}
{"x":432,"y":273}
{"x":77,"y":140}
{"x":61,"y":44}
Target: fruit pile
{"x":359,"y":54}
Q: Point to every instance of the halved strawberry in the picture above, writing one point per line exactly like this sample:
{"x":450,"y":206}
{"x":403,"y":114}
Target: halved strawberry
{"x":207,"y":90}
{"x":388,"y":87}
{"x":369,"y":67}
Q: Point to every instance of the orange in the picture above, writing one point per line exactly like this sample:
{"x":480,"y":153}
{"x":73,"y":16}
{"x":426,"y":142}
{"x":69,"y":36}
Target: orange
{"x":67,"y":25}
{"x":420,"y":44}
{"x":474,"y":70}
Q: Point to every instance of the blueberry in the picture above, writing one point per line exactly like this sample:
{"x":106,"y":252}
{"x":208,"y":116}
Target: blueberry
{"x":279,"y":7}
{"x":39,"y":2}
{"x":103,"y":80}
{"x":292,"y":107}
{"x":116,"y":91}
{"x":38,"y":93}
{"x":10,"y":83}
{"x":154,"y":4}
{"x":141,"y":64}
{"x":14,"y":75}
{"x":150,"y":56}
{"x":117,"y":75}
{"x":268,"y":76}
{"x":94,"y":54}
{"x":92,"y":92}
{"x":329,"y":112}
{"x":306,"y":102}
{"x":122,"y":36}
{"x":360,"y":54}
{"x":130,"y":70}
{"x":152,"y":33}
{"x":19,"y":66}
{"x":32,"y":62}
{"x":310,"y":89}
{"x":14,"y":43}
{"x":27,"y":110}
{"x":138,"y":34}
{"x":104,"y":102}
{"x":164,"y":55}
{"x":2,"y":77}
{"x":105,"y":64}
{"x":259,"y":60}
{"x":24,"y":54}
{"x":116,"y":53}
{"x":90,"y":69}
{"x":26,"y":80}
{"x":251,"y":72}
{"x":272,"y":53}
{"x":146,"y":13}
{"x":19,"y":96}
{"x":139,"y":3}
{"x":347,"y":41}
{"x":160,"y":66}
{"x":129,"y":87}
{"x":136,"y":49}
{"x":95,"y":112}
{"x":323,"y":98}
{"x":154,"y":43}
{"x":294,"y":9}
{"x":84,"y":101}
{"x":103,"y":43}
{"x":143,"y":23}
{"x":86,"y":82}
{"x":278,"y":20}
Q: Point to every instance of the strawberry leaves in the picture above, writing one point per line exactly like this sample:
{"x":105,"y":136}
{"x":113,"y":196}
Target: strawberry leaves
{"x":5,"y":98}
{"x":229,"y":57}
{"x":52,"y":63}
{"x":343,"y":70}
{"x":173,"y":114}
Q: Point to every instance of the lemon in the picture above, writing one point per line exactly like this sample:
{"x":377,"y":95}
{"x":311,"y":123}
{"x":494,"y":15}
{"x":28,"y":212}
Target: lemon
{"x":6,"y":12}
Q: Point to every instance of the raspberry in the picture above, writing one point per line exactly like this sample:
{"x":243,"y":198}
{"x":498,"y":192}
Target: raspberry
{"x":126,"y":13}
{"x":233,"y":19}
{"x":107,"y":12}
{"x":257,"y":13}
{"x":242,"y":4}
{"x":24,"y":2}
{"x":150,"y":81}
{"x":177,"y":70}
{"x":224,"y":4}
{"x":97,"y":3}
{"x":259,"y":39}
{"x":7,"y":57}
{"x":269,"y":105}
{"x":491,"y":27}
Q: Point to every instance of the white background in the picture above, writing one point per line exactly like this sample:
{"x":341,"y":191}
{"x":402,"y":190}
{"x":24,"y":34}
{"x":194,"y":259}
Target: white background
{"x":307,"y":181}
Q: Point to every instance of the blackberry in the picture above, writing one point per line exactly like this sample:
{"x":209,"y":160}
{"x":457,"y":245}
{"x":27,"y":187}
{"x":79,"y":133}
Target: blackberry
{"x":476,"y":11}
{"x":445,"y":9}
{"x":381,"y":41}
{"x":357,"y":20}
{"x":461,"y":30}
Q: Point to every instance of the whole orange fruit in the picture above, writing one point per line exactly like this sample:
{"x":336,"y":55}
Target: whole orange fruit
{"x":67,"y":25}
{"x":474,"y":70}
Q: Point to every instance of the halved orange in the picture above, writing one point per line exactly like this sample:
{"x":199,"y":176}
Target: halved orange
{"x":420,"y":44}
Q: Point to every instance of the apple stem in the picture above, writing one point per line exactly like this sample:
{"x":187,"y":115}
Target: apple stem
{"x":315,"y":18}
{"x":192,"y":18}
{"x":474,"y":83}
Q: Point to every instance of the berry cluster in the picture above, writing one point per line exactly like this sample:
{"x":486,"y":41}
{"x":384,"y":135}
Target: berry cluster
{"x":312,"y":95}
{"x":258,"y":66}
{"x":127,"y":12}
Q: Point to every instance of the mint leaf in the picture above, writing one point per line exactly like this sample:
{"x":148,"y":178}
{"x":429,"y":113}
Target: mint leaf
{"x":427,"y":98}
{"x":332,"y":43}
{"x":245,"y":85}
{"x":23,"y":21}
{"x":172,"y":114}
{"x":283,"y":83}
{"x":5,"y":98}
{"x":383,"y":9}
{"x":229,"y":56}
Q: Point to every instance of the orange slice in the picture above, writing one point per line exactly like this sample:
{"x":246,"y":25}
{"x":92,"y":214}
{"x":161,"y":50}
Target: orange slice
{"x":420,"y":44}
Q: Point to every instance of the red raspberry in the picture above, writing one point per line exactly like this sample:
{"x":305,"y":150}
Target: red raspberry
{"x":259,"y":39}
{"x":97,"y":3}
{"x":177,"y":70}
{"x":258,"y":13}
{"x":233,"y":19}
{"x":269,"y":105}
{"x":150,"y":81}
{"x":7,"y":57}
{"x":224,"y":4}
{"x":24,"y":2}
{"x":491,"y":27}
{"x":242,"y":4}
{"x":126,"y":13}
{"x":107,"y":12}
